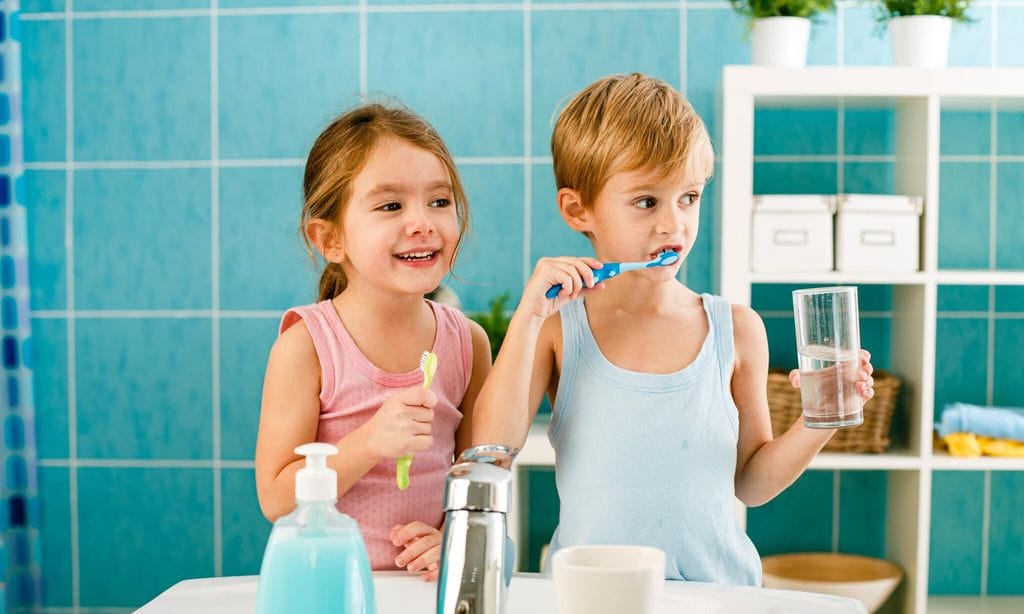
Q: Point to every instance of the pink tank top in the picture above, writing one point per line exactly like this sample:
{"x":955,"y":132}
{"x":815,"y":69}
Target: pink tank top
{"x":353,"y":389}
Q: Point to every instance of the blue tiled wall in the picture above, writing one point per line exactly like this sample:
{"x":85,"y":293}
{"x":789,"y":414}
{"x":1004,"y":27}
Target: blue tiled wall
{"x":164,"y":144}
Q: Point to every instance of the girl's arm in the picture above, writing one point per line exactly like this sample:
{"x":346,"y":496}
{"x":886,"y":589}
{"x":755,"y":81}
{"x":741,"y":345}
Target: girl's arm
{"x":766,"y":466}
{"x":289,"y":415}
{"x":481,"y":367}
{"x":522,"y":372}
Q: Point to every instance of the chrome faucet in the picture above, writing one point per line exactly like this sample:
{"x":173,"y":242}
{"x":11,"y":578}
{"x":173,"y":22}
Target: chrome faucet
{"x":476,"y":554}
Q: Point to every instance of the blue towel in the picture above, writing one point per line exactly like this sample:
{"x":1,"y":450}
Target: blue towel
{"x":998,"y":422}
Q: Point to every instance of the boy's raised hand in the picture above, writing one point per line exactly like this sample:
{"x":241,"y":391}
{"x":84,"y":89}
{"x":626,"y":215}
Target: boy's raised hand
{"x":865,"y":383}
{"x":422,"y":548}
{"x":403,"y":423}
{"x":575,"y":275}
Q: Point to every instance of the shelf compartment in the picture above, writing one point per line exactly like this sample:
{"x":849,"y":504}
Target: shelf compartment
{"x":943,"y":461}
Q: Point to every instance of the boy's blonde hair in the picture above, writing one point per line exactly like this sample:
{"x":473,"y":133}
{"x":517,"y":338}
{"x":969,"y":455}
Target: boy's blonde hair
{"x":624,"y":123}
{"x":339,"y":154}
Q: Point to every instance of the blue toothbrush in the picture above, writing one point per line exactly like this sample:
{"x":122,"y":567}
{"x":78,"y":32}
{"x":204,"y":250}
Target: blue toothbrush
{"x":612,"y":269}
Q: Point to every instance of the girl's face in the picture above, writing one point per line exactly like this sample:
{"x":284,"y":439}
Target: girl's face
{"x":400,"y":227}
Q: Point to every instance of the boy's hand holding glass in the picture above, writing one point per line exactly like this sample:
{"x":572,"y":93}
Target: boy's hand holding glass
{"x":403,"y":423}
{"x":575,"y":275}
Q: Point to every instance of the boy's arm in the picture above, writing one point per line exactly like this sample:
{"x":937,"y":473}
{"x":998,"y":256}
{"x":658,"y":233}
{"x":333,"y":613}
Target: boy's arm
{"x":764,"y":467}
{"x":509,"y":401}
{"x":481,"y":368}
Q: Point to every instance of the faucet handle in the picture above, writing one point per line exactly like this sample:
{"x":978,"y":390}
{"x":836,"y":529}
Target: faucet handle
{"x":499,"y":455}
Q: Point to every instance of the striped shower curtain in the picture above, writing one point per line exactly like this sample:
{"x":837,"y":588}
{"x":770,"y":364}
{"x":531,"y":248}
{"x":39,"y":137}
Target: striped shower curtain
{"x":19,"y":502}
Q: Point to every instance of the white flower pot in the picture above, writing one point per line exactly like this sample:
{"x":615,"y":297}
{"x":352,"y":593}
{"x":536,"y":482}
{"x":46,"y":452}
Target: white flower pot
{"x":780,"y":41}
{"x":920,"y":40}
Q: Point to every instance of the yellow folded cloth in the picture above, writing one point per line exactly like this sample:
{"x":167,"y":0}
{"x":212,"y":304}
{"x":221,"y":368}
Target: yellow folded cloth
{"x":971,"y":445}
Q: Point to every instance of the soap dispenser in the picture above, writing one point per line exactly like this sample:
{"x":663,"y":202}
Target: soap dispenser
{"x":316,"y":560}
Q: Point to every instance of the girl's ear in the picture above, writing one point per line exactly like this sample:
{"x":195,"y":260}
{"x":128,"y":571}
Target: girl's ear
{"x":573,"y":212}
{"x":327,"y":240}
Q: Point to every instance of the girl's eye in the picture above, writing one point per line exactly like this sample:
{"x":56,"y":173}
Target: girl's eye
{"x":390,"y":207}
{"x":441,"y":203}
{"x":645,"y":203}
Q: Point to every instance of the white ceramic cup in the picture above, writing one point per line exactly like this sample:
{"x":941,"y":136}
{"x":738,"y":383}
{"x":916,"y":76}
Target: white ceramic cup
{"x":608,"y":579}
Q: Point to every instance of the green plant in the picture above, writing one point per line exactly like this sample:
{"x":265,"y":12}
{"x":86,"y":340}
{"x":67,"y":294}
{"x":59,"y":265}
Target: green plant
{"x":954,"y":9}
{"x":756,"y":9}
{"x":494,"y":322}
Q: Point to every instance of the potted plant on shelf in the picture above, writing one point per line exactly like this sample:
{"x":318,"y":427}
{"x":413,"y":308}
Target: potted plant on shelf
{"x":494,"y":322}
{"x":920,"y":29}
{"x":780,"y":29}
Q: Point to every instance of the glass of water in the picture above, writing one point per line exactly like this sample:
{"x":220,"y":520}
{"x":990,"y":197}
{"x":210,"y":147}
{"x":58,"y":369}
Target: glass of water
{"x":828,"y":348}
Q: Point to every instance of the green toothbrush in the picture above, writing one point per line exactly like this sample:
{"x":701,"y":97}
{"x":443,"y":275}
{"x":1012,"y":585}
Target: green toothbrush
{"x":428,"y":364}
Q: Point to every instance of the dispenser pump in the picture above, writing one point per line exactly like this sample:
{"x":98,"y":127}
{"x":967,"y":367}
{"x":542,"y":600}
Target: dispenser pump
{"x":316,"y":481}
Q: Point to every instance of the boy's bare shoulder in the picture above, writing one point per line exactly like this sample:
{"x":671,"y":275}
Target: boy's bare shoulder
{"x":749,"y":334}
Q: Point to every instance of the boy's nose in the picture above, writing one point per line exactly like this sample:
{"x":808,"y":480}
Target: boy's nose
{"x":670,"y":221}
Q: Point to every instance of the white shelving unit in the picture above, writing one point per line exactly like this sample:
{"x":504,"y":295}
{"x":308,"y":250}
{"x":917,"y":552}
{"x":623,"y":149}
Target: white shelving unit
{"x":917,"y":96}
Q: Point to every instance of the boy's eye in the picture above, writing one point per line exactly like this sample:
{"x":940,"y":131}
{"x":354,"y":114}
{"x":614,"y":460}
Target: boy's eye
{"x":440,"y":203}
{"x":390,"y":207}
{"x":645,"y":203}
{"x":691,"y":199}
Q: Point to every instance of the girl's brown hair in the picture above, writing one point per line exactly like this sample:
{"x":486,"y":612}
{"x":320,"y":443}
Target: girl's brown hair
{"x":339,"y":154}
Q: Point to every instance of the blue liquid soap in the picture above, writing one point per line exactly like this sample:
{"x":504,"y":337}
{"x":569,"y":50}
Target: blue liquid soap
{"x":315,"y":561}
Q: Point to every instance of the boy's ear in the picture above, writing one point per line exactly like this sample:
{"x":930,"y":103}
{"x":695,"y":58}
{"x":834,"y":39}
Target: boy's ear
{"x":324,"y":236}
{"x":573,"y":212}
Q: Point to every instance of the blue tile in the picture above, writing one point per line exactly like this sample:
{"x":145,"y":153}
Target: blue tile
{"x":798,"y":520}
{"x":1010,"y":299}
{"x":261,"y":207}
{"x":1011,"y":45}
{"x":971,"y":43}
{"x":138,"y":5}
{"x":55,"y":536}
{"x":45,"y":192}
{"x":696,"y":271}
{"x":964,"y":215}
{"x":863,"y":43}
{"x":40,"y":6}
{"x":543,"y":506}
{"x":1009,"y":364}
{"x":821,"y":48}
{"x":960,"y":371}
{"x":42,"y":81}
{"x":965,"y":133}
{"x":157,"y":524}
{"x":773,"y":297}
{"x":869,"y":178}
{"x":795,"y":132}
{"x":963,"y":298}
{"x":245,"y":530}
{"x":159,"y":404}
{"x":142,"y":253}
{"x":868,"y":132}
{"x":876,"y":337}
{"x":549,"y":234}
{"x":454,"y":66}
{"x":715,"y":38}
{"x":954,"y":560}
{"x":1009,"y":216}
{"x":862,"y":505}
{"x":244,"y":347}
{"x":781,"y":342}
{"x":795,"y":178}
{"x":283,"y":70}
{"x":1010,"y":126}
{"x":490,"y":260}
{"x":874,"y":298}
{"x":1006,"y":556}
{"x":571,"y":50}
{"x":167,"y":64}
{"x":50,"y":386}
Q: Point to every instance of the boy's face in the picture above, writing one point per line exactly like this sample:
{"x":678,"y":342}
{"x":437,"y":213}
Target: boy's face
{"x":639,"y":214}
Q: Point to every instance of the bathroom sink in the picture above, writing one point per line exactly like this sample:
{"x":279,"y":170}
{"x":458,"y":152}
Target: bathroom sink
{"x":402,"y":593}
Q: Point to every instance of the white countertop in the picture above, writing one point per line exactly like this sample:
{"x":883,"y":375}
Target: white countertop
{"x":402,"y":593}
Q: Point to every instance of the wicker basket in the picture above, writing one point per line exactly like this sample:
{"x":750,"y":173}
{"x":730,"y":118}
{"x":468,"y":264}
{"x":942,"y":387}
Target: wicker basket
{"x":872,"y":436}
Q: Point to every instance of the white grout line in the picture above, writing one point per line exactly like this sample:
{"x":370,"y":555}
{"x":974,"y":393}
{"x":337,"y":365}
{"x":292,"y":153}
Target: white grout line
{"x":836,"y":476}
{"x":93,"y":314}
{"x":218,"y":516}
{"x":986,"y":526}
{"x":69,"y":285}
{"x":527,"y":139}
{"x":147,"y":463}
{"x":364,"y":62}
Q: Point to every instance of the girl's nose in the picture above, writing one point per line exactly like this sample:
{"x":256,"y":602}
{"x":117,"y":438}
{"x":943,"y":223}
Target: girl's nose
{"x":417,"y":222}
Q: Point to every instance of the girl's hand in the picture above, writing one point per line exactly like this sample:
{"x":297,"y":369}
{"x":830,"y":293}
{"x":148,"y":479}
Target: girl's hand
{"x":422,"y":551}
{"x":576,"y":275}
{"x":865,"y":383}
{"x":403,"y":423}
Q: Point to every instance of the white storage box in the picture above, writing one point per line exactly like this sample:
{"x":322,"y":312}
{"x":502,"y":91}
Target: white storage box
{"x":792,"y":233}
{"x":878,"y":232}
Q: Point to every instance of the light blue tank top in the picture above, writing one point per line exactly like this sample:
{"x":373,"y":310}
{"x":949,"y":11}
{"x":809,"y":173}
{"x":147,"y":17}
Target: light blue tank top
{"x":650,"y":459}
